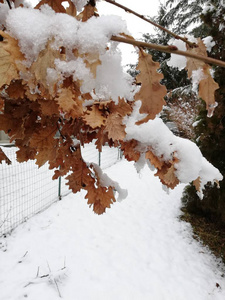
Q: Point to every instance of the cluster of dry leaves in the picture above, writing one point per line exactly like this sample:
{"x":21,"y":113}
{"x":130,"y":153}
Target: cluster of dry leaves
{"x":51,"y":124}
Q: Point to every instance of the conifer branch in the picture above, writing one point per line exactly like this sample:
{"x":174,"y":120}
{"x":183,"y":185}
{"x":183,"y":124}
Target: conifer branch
{"x":169,"y":49}
{"x":177,"y":37}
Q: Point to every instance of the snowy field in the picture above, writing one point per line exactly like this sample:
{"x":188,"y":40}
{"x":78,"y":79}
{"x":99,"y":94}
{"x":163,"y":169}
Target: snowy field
{"x":138,"y":250}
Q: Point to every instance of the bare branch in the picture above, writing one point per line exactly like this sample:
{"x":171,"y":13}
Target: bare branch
{"x":192,"y":45}
{"x":169,"y":49}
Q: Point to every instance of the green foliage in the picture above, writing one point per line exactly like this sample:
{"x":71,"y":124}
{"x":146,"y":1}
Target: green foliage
{"x":210,"y":132}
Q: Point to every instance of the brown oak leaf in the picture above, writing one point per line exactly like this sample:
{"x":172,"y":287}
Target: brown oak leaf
{"x":101,"y":139}
{"x":48,"y":153}
{"x":49,"y":107}
{"x":69,"y":103}
{"x":45,"y":61}
{"x":151,"y":93}
{"x":56,"y":5}
{"x":207,"y":87}
{"x":44,"y":138}
{"x":100,"y":197}
{"x":167,"y":175}
{"x":122,"y":108}
{"x":129,"y":150}
{"x":77,"y":178}
{"x":94,"y":117}
{"x":1,"y":103}
{"x":197,"y":184}
{"x":115,"y":127}
{"x":88,"y":12}
{"x":25,"y":153}
{"x":16,"y":90}
{"x":71,"y":9}
{"x":154,"y":160}
{"x":195,"y":64}
{"x":12,"y":126}
{"x":9,"y":54}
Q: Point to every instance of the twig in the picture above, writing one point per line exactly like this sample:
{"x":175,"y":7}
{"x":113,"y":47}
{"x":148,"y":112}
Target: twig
{"x":192,"y":45}
{"x":20,"y":261}
{"x":169,"y":49}
{"x":57,"y":288}
{"x":9,"y":4}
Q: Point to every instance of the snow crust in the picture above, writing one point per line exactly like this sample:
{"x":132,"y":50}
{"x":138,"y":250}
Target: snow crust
{"x":79,"y":4}
{"x":191,"y":164}
{"x":105,"y":181}
{"x":34,"y":28}
{"x":209,"y":43}
{"x":177,"y":61}
{"x":4,"y":9}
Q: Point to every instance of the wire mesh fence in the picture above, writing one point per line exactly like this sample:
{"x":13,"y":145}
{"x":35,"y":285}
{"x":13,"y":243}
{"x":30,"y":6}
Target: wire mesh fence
{"x":26,"y":190}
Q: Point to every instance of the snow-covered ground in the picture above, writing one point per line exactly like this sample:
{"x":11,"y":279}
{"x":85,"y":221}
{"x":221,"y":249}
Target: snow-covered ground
{"x":138,"y":250}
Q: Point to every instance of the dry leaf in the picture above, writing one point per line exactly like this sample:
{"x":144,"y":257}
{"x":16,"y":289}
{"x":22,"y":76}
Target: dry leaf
{"x":44,"y":138}
{"x":46,"y":154}
{"x":94,"y":117}
{"x":71,"y":10}
{"x":49,"y":107}
{"x":122,"y":108}
{"x":1,"y":104}
{"x":195,"y":64}
{"x":45,"y":61}
{"x":197,"y":184}
{"x":69,"y":103}
{"x":129,"y":150}
{"x":88,"y":12}
{"x":25,"y":153}
{"x":16,"y":90}
{"x":154,"y":160}
{"x":56,"y":5}
{"x":9,"y":54}
{"x":167,"y":176}
{"x":102,"y":139}
{"x":151,"y":93}
{"x":115,"y":127}
{"x":207,"y":87}
{"x":100,"y":197}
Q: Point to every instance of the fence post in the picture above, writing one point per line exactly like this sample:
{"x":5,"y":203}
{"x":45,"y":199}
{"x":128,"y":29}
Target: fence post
{"x":59,"y":187}
{"x":99,"y":158}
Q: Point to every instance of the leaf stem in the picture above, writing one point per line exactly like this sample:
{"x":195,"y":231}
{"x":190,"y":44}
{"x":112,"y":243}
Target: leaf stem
{"x":192,"y":45}
{"x":169,"y":49}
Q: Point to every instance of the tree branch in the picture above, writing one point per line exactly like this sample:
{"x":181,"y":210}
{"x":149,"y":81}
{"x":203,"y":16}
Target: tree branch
{"x":192,"y":45}
{"x":169,"y":49}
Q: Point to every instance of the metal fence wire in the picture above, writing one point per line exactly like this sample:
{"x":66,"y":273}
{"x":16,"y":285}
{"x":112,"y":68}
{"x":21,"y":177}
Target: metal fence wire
{"x":26,"y":190}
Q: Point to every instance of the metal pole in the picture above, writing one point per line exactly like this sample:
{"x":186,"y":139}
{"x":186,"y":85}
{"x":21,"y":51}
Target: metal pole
{"x":99,"y":158}
{"x":59,"y":187}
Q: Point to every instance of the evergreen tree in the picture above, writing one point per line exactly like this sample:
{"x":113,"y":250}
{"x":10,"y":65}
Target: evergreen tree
{"x":208,"y":17}
{"x":211,"y":131}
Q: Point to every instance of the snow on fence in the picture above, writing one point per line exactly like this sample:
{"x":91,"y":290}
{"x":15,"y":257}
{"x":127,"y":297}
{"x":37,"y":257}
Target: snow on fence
{"x":26,"y":190}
